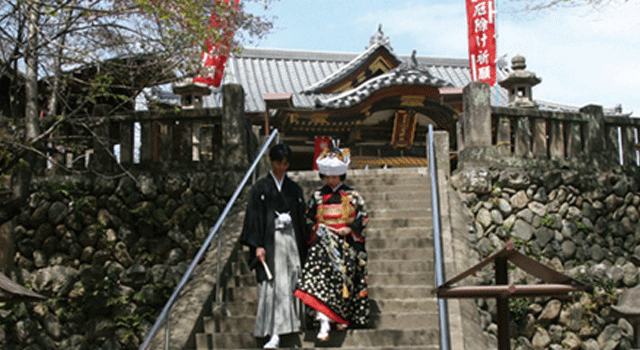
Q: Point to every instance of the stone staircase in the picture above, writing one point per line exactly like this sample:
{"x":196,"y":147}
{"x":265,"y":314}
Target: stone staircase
{"x":400,"y":248}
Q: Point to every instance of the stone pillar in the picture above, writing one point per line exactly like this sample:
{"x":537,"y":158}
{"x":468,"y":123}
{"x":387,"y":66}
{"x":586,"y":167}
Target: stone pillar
{"x":595,"y":130}
{"x":441,"y":151}
{"x":234,"y":127}
{"x":476,"y":122}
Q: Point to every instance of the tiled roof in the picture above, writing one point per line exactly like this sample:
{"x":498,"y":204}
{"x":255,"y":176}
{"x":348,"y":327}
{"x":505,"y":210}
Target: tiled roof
{"x":404,"y":74}
{"x":564,"y":108}
{"x":262,"y":71}
{"x":348,"y":68}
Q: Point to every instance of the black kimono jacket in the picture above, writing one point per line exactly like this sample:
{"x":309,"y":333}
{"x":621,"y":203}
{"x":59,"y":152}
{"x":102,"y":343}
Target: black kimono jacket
{"x":259,"y":221}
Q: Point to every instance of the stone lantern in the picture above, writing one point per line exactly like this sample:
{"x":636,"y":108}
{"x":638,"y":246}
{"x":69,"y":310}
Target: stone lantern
{"x":519,"y":83}
{"x":191,"y":93}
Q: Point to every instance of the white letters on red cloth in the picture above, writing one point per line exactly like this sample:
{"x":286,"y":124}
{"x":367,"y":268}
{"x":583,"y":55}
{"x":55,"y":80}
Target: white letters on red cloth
{"x":481,"y":15}
{"x":214,"y":58}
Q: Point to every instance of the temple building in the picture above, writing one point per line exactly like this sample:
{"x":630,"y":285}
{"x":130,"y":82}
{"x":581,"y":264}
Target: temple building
{"x":377,"y":103}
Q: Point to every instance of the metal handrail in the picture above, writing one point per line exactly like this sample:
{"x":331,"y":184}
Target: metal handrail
{"x":203,"y":248}
{"x":437,"y":245}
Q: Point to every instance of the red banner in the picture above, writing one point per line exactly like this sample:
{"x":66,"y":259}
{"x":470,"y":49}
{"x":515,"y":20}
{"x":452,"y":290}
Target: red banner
{"x":321,"y":144}
{"x":215,"y":57}
{"x":481,"y":16}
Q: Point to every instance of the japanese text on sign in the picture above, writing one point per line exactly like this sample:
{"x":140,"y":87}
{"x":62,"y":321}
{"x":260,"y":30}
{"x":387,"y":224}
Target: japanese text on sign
{"x":482,"y":40}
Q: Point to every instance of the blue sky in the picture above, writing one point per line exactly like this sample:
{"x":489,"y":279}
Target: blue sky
{"x":583,"y":55}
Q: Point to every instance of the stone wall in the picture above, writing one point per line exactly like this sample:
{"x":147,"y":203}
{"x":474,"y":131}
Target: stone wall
{"x":580,"y":223}
{"x":108,"y":253}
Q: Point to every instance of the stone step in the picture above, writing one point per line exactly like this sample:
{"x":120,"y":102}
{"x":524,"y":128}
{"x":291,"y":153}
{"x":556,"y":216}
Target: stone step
{"x":398,"y":242}
{"x":247,"y":279}
{"x":398,"y":204}
{"x":378,"y":306}
{"x":367,"y":191}
{"x":399,"y":266}
{"x":400,"y":222}
{"x":386,"y":213}
{"x":230,"y":324}
{"x":391,"y":306}
{"x":407,"y":186}
{"x":239,"y":308}
{"x":404,"y":232}
{"x":380,"y":321}
{"x":205,"y":342}
{"x":397,"y":195}
{"x":357,"y":338}
{"x":389,"y":174}
{"x":405,"y":279}
{"x":421,"y":254}
{"x":407,"y":320}
{"x":400,"y":292}
{"x":240,"y":294}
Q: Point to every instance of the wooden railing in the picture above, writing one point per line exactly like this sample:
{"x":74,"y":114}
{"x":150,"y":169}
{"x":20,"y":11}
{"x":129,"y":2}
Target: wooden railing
{"x":157,"y":139}
{"x":530,"y":133}
{"x":145,"y":140}
{"x":521,"y":135}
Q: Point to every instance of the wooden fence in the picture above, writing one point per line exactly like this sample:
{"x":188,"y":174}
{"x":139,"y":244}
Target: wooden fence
{"x":531,"y":134}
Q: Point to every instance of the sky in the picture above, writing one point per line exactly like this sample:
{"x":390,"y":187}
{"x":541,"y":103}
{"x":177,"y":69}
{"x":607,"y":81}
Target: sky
{"x":583,"y":55}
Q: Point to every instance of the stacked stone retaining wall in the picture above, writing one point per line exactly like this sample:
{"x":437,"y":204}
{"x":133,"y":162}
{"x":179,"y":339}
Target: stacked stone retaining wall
{"x":586,"y":225}
{"x":107,"y":253}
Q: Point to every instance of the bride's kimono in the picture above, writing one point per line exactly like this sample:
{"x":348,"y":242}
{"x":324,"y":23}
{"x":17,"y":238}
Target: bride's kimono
{"x":334,"y":275}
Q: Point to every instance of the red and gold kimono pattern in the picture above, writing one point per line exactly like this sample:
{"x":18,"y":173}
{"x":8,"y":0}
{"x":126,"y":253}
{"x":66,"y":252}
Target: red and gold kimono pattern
{"x":334,"y":276}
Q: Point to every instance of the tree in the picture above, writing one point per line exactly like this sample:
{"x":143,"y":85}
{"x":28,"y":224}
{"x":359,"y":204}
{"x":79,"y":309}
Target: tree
{"x":59,"y":59}
{"x":538,"y":5}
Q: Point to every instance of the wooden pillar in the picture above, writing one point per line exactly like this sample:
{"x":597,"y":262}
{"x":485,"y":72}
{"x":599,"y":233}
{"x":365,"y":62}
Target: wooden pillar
{"x":628,"y":145}
{"x":165,"y":144}
{"x":184,"y":139}
{"x":503,"y":136}
{"x":539,"y":148}
{"x":523,"y":137}
{"x":574,"y":140}
{"x":556,"y":140}
{"x":126,"y":143}
{"x":146,"y":142}
{"x":502,"y":278}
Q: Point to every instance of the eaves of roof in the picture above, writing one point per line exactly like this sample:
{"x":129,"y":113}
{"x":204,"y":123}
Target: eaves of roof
{"x":398,"y":76}
{"x":350,"y":67}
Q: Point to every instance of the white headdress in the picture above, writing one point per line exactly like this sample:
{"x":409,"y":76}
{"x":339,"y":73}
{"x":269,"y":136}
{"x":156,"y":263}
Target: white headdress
{"x":334,"y":161}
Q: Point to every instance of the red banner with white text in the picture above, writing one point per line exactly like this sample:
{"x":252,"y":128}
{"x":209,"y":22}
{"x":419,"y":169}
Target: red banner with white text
{"x":215,"y":57}
{"x":481,"y":16}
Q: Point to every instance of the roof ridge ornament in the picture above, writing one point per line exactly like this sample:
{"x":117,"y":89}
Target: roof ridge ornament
{"x":379,"y":39}
{"x":414,"y":60}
